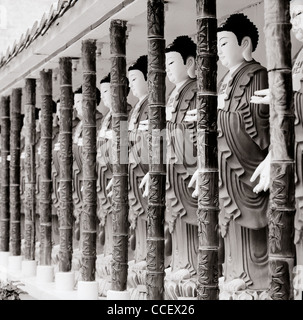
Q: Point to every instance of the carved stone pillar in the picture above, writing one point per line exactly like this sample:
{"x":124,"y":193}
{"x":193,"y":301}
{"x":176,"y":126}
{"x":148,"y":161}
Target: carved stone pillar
{"x":65,"y":214}
{"x":5,"y":151}
{"x":157,"y":167}
{"x":56,"y":182}
{"x":282,"y":209}
{"x":15,"y":201}
{"x":208,"y":204}
{"x":22,"y":174}
{"x":30,"y":169}
{"x":45,"y":168}
{"x":88,"y":219}
{"x":120,"y":205}
{"x":38,"y":178}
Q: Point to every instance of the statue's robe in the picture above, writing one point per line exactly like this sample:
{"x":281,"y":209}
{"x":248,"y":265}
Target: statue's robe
{"x":181,"y":207}
{"x":104,"y":174}
{"x":243,"y":141}
{"x":297,"y":74}
{"x":56,"y":185}
{"x":138,"y":168}
{"x":77,"y":175}
{"x":104,"y":208}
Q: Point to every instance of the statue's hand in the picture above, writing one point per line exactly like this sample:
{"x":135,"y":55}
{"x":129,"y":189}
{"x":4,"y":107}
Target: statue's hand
{"x":262,"y":171}
{"x":80,"y":142}
{"x":191,"y":116}
{"x":109,"y":186}
{"x":57,"y":146}
{"x":143,"y":125}
{"x":145,"y":184}
{"x":109,"y":134}
{"x":193,"y":181}
{"x":261,"y":97}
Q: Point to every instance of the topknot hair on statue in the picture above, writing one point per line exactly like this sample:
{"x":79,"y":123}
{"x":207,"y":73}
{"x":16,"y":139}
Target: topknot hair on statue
{"x":106,"y":79}
{"x":98,"y":94}
{"x":37,"y":110}
{"x":241,"y":26}
{"x":184,"y":45}
{"x":141,"y":65}
{"x":78,"y":90}
{"x":22,"y":116}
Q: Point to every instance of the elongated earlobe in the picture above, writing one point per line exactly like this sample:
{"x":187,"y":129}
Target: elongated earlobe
{"x":247,"y":48}
{"x":191,"y":67}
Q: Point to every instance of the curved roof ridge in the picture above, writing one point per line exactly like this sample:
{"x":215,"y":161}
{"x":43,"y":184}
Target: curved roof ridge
{"x":38,"y":28}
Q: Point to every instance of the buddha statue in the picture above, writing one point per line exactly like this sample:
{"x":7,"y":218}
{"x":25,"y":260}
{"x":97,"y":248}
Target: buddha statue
{"x":243,"y":142}
{"x":104,"y":174}
{"x":138,"y":168}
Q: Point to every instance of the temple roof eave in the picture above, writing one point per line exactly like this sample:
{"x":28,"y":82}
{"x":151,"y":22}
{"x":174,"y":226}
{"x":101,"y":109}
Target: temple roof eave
{"x":83,"y":19}
{"x":60,"y":33}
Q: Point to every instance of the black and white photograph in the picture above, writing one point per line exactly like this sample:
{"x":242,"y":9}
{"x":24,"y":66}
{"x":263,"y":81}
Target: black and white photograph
{"x":151,"y":153}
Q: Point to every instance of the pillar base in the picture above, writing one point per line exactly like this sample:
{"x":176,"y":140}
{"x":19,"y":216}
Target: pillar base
{"x":15,"y":264}
{"x":29,"y":268}
{"x":87,"y":290}
{"x":237,"y":289}
{"x":45,"y":274}
{"x":65,"y":281}
{"x":118,"y":295}
{"x":4,"y":258}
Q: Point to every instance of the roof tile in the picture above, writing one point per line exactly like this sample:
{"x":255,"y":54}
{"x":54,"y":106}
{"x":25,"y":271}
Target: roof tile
{"x":38,"y":28}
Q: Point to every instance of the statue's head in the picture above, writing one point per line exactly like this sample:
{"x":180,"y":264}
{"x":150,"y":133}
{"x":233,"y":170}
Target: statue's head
{"x":105,"y":91}
{"x":296,"y":18}
{"x":137,"y":74}
{"x":78,"y":98}
{"x":237,"y":39}
{"x":180,"y":58}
